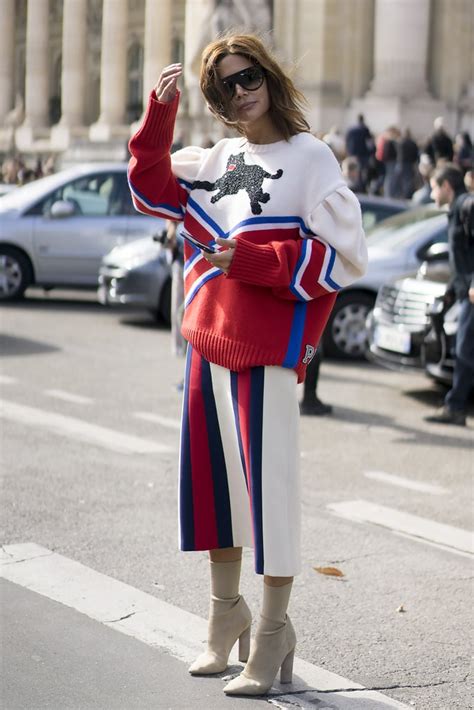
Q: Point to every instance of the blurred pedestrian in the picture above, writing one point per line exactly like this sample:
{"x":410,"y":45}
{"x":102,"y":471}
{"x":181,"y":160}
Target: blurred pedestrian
{"x":407,"y":159}
{"x":422,"y":196}
{"x":448,"y":189}
{"x":311,"y":405}
{"x":463,"y":152}
{"x":335,"y":140}
{"x":351,"y":173}
{"x":440,"y":144}
{"x":255,"y":310}
{"x":389,"y":159}
{"x":174,"y":242}
{"x":360,"y":145}
{"x":469,"y":181}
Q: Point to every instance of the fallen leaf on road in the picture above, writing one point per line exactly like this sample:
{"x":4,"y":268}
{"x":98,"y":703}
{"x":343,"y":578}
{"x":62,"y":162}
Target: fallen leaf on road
{"x":330,"y":571}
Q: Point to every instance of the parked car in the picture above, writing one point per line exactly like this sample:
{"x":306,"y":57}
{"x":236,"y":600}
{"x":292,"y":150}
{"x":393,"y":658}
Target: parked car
{"x":397,"y":246}
{"x":55,"y":231}
{"x":401,"y":318}
{"x":139,"y":273}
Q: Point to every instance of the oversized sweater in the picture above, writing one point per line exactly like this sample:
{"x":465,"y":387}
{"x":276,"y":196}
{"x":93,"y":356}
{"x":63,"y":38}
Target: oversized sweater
{"x":298,"y":230}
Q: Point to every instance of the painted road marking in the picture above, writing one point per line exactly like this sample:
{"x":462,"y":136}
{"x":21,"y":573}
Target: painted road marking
{"x":7,"y":380}
{"x":156,"y":622}
{"x":79,"y":430}
{"x":413,"y":526}
{"x":69,"y":397}
{"x":158,"y":419}
{"x":406,"y":482}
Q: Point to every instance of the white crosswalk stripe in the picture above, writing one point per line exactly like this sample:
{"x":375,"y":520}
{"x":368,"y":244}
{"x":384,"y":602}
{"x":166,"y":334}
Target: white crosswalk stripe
{"x":445,"y":536}
{"x":157,"y":623}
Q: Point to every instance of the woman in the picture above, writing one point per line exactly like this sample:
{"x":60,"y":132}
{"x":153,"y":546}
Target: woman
{"x":288,"y":235}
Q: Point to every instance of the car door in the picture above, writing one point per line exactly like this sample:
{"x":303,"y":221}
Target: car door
{"x":68,"y":250}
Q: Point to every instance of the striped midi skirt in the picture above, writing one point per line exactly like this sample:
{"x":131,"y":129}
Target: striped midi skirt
{"x":239,"y":480}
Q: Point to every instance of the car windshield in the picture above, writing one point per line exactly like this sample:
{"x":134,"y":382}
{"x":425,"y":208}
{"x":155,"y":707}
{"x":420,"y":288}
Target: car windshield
{"x":400,"y":229}
{"x":21,"y":196}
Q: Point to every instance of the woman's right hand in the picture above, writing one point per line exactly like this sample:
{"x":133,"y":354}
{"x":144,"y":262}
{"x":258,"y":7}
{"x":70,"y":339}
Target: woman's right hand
{"x":166,"y":87}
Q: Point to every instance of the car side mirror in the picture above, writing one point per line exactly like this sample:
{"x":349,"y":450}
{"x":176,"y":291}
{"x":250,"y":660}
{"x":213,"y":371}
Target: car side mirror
{"x":437,"y":252}
{"x":61,"y":209}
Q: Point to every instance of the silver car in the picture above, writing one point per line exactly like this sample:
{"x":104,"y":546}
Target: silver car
{"x":55,"y":231}
{"x":396,"y":247}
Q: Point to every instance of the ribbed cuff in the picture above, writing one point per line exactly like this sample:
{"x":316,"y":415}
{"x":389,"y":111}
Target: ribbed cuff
{"x":255,"y":264}
{"x":158,"y":125}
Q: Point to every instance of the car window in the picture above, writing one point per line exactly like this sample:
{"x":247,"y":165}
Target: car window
{"x":392,"y":233}
{"x":97,"y":195}
{"x":373,"y":214}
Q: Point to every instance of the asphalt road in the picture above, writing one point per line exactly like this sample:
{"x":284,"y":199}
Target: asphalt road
{"x":89,"y":461}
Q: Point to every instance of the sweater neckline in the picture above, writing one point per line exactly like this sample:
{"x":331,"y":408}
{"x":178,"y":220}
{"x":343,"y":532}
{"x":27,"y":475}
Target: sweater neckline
{"x":265,"y":147}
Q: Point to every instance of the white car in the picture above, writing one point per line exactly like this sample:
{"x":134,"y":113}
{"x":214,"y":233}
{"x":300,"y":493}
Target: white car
{"x":55,"y":231}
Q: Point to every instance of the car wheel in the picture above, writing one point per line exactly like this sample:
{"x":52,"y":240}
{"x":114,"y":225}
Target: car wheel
{"x":16,"y":274}
{"x":346,"y":334}
{"x":164,"y":307}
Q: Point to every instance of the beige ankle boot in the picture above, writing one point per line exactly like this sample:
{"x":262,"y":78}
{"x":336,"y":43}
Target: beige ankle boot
{"x":273,"y":647}
{"x":229,"y":620}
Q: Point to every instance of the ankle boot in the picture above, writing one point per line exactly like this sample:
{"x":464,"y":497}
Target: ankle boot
{"x":225,"y":627}
{"x":273,"y":647}
{"x":271,"y":650}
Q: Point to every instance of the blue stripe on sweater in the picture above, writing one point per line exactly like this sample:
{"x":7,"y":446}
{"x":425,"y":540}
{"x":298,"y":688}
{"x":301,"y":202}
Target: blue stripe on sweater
{"x":296,"y":335}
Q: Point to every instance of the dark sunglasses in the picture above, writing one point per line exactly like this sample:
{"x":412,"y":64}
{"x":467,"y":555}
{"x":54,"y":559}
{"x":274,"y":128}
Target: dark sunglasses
{"x":250,"y":79}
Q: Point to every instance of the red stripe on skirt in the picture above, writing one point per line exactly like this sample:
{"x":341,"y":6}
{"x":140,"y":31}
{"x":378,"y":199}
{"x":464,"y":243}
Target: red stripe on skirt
{"x":205,"y":526}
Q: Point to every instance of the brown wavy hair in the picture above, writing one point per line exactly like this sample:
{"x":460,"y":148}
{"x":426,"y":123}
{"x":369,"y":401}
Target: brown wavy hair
{"x":286,"y":101}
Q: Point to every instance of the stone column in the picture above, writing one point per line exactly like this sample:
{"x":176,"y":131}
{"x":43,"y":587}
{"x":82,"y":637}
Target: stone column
{"x":113,"y":71}
{"x":7,"y":41}
{"x":74,"y":67}
{"x":37,"y":64}
{"x":197,"y":34}
{"x":399,"y":94}
{"x":401,"y":48}
{"x":157,"y":46}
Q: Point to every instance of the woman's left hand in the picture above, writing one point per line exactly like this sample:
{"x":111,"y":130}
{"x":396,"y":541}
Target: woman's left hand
{"x":222,"y":259}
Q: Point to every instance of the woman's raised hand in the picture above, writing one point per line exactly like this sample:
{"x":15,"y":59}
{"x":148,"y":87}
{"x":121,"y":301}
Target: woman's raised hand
{"x":166,"y":87}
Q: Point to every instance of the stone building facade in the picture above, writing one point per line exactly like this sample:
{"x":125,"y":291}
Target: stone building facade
{"x":75,"y":74}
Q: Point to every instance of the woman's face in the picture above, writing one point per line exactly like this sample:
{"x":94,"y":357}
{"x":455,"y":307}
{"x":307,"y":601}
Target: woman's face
{"x":249,"y":106}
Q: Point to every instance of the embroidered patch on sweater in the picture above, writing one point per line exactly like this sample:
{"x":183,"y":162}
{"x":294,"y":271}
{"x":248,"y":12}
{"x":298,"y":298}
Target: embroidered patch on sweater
{"x":240,"y":176}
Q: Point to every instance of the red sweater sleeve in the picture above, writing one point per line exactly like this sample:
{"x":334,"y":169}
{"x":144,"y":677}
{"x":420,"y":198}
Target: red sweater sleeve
{"x":293,"y":269}
{"x":155,"y":190}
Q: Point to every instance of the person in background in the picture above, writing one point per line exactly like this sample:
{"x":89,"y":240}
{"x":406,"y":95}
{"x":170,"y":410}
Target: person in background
{"x":407,"y":159}
{"x":288,"y":235}
{"x":311,"y":405}
{"x":469,"y":181}
{"x":422,"y":196}
{"x":463,"y":152}
{"x":351,"y":173}
{"x":360,"y":145}
{"x":448,"y":189}
{"x":335,"y":140}
{"x":440,"y":144}
{"x":389,"y":159}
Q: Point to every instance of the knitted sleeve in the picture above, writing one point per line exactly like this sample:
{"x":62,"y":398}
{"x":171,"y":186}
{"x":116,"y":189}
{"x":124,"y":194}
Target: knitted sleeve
{"x":160,"y":182}
{"x":331,"y":256}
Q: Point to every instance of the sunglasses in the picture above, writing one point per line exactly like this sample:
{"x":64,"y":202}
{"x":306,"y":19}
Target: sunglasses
{"x":250,"y":79}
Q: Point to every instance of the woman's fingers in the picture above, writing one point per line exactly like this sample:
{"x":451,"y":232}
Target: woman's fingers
{"x":166,"y":86}
{"x":226,"y":243}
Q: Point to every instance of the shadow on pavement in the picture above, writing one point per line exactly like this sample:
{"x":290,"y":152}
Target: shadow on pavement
{"x":441,"y":435}
{"x":11,"y":345}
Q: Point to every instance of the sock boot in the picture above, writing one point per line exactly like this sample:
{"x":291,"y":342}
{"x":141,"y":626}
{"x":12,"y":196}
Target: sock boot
{"x":273,"y":647}
{"x":229,"y":620}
